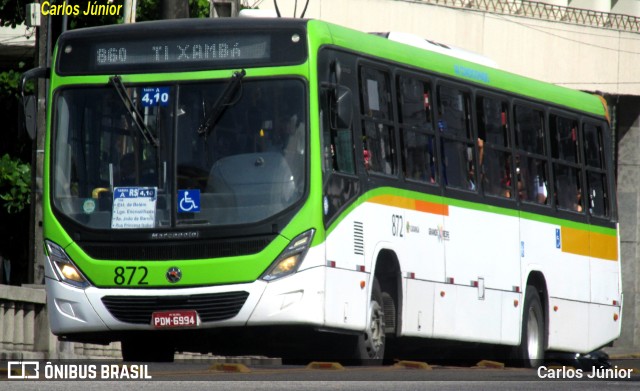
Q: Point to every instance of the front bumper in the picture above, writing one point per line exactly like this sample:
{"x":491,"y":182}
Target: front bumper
{"x":297,"y":299}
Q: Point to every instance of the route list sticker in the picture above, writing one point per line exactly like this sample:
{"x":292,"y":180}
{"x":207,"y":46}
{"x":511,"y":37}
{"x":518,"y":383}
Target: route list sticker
{"x":134,"y":207}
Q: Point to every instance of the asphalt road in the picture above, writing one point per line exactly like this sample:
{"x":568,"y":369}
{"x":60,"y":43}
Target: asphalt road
{"x":207,"y":376}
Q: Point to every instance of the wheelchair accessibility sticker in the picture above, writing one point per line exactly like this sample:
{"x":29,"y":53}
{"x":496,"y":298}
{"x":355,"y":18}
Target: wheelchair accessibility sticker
{"x":189,"y":201}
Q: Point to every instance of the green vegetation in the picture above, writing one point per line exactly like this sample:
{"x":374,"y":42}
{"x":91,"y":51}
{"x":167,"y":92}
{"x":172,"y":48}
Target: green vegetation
{"x":15,"y":183}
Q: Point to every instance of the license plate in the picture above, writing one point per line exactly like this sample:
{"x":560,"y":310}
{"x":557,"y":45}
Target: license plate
{"x":182,"y":318}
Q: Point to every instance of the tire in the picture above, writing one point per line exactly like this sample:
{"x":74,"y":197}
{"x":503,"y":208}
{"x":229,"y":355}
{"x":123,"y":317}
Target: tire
{"x":371,"y":344}
{"x":530,"y":353}
{"x":146,"y":350}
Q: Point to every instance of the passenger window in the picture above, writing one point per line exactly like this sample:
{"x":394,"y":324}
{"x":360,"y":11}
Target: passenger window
{"x":494,"y":146}
{"x":564,"y":138}
{"x":531,"y":162}
{"x":417,"y":132}
{"x":532,"y":183}
{"x":415,"y":102}
{"x":566,"y":171}
{"x":453,"y":111}
{"x":568,"y":187}
{"x":593,"y":150}
{"x":379,"y":150}
{"x":597,"y":197}
{"x":529,"y":130}
{"x":376,"y":94}
{"x":378,"y":130}
{"x":456,"y":144}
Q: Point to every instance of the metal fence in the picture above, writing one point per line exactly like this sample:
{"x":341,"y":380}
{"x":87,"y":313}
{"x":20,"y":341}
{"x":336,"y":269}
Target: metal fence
{"x":537,"y":10}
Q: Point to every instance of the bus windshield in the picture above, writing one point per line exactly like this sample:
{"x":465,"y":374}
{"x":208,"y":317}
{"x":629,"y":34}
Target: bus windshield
{"x":248,"y":167}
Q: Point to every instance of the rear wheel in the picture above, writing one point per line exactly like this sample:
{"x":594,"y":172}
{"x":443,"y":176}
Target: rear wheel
{"x":531,"y":350}
{"x":371,"y":344}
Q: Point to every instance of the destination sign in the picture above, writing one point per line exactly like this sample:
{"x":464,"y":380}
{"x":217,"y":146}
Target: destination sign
{"x":183,"y":50}
{"x":176,"y":50}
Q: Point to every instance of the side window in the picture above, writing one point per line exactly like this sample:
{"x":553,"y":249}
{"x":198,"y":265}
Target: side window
{"x":417,"y":130}
{"x":337,"y":143}
{"x":531,"y":162}
{"x":567,"y":172}
{"x":593,"y":148}
{"x":379,"y":144}
{"x":340,"y":185}
{"x":564,"y":138}
{"x":456,"y":144}
{"x":495,"y":146}
{"x":597,"y":197}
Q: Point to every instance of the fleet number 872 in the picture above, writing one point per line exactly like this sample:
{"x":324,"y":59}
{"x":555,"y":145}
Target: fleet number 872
{"x":397,"y":222}
{"x":124,"y":275}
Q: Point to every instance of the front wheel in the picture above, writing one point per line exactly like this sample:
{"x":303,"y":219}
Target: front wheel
{"x":531,"y":350}
{"x":371,"y":344}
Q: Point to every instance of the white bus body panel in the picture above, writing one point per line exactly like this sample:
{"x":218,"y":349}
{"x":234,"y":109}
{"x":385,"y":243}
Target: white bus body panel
{"x":417,"y":315}
{"x":567,"y":275}
{"x":482,"y":245}
{"x":605,"y":281}
{"x":498,"y":251}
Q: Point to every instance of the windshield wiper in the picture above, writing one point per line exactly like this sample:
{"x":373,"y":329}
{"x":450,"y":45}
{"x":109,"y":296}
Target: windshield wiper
{"x":132,"y":110}
{"x":221,"y":103}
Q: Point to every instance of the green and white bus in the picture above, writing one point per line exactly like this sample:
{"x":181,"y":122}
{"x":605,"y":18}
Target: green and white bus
{"x":291,"y":187}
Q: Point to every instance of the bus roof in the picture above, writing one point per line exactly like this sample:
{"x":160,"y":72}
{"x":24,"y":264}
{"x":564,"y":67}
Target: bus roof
{"x":459,"y":68}
{"x":367,"y":44}
{"x":192,"y":26}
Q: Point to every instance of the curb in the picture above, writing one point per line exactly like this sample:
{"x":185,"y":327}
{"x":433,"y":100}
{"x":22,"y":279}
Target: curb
{"x":230,"y":367}
{"x":490,"y":364}
{"x":325,"y":366}
{"x":413,"y":365}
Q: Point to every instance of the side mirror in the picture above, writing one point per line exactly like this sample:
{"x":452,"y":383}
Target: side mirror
{"x":336,"y":69}
{"x":30,"y":113}
{"x":29,"y":102}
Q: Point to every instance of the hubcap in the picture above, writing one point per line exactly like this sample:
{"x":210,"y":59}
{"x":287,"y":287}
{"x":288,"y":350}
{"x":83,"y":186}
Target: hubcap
{"x":533,"y":336}
{"x":375,"y":335}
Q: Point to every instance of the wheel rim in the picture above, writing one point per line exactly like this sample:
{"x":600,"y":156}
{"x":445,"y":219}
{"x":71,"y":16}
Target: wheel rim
{"x":375,"y":334}
{"x":533,"y":335}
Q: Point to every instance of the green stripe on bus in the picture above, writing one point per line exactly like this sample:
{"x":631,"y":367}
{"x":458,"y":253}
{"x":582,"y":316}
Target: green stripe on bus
{"x":390,"y":191}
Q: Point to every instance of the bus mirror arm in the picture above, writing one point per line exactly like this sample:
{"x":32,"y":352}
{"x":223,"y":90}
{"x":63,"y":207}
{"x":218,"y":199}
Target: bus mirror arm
{"x":35,"y":73}
{"x":29,"y":102}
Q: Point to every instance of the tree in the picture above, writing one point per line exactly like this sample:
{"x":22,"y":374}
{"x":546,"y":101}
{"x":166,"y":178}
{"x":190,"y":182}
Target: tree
{"x":12,"y":12}
{"x":15,"y":176}
{"x":15,"y":183}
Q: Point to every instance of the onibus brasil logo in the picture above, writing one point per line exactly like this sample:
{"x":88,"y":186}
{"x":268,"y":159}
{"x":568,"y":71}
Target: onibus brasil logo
{"x":53,"y":371}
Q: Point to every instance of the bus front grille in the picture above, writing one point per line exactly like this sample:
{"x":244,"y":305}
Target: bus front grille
{"x":210,"y":307}
{"x":176,"y":250}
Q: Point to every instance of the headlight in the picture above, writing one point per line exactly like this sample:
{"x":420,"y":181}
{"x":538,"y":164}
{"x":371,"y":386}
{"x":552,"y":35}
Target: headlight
{"x":290,"y":259}
{"x":64,"y":267}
